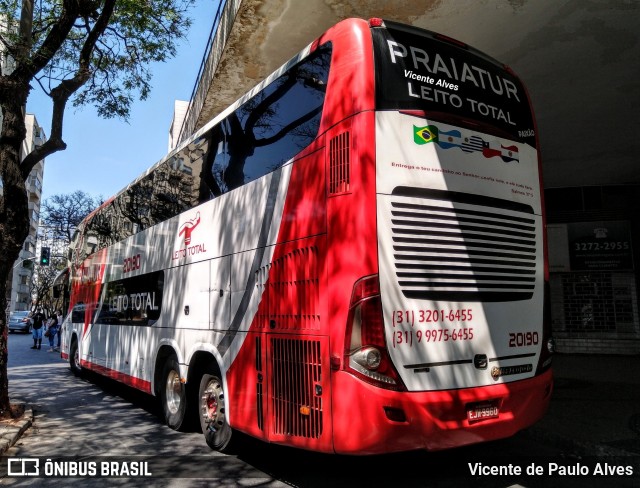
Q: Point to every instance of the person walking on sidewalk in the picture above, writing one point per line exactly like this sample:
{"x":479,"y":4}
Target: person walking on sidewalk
{"x":60,"y":320}
{"x":38,"y":323}
{"x":52,"y":330}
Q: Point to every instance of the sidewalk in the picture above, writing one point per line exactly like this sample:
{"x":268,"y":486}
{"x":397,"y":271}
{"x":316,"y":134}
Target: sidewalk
{"x":12,"y":430}
{"x":594,"y":411}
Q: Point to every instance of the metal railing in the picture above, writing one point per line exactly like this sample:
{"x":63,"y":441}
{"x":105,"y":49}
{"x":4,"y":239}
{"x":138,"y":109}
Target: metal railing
{"x":207,"y":68}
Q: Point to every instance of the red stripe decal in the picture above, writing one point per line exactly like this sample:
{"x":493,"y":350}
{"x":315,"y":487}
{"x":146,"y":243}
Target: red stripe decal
{"x":132,"y":381}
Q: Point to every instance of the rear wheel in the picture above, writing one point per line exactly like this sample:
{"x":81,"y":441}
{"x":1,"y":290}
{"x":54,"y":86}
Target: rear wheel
{"x":74,"y":358}
{"x":213,"y":419}
{"x":173,"y":394}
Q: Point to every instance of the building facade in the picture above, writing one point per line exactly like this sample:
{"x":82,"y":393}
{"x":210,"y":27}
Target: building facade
{"x":180,"y":109}
{"x":20,"y":278}
{"x":594,"y":233}
{"x":19,"y":285}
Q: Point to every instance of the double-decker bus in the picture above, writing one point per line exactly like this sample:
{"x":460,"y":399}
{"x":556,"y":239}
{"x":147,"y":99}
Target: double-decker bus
{"x":349,"y":259}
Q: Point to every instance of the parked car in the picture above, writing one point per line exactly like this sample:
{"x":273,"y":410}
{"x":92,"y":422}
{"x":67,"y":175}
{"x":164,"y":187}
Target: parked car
{"x":20,"y":321}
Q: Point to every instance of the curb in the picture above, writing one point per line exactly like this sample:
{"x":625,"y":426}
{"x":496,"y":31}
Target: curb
{"x":10,"y":435}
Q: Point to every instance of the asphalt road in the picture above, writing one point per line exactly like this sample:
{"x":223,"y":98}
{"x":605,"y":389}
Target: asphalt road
{"x":97,"y":420}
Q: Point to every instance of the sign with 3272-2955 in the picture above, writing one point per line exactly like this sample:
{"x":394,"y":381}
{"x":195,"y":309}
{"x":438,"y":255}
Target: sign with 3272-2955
{"x":600,"y":246}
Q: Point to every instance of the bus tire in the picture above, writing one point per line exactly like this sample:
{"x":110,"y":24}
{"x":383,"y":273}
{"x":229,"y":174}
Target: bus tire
{"x":173,"y":394}
{"x":213,"y":420}
{"x":74,"y":358}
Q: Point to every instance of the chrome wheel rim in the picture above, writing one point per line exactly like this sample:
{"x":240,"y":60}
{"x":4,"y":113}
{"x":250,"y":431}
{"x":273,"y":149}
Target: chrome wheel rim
{"x":212,"y":406}
{"x":173,"y":390}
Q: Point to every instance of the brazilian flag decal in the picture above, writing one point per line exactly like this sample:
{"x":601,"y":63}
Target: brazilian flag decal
{"x":424,"y":135}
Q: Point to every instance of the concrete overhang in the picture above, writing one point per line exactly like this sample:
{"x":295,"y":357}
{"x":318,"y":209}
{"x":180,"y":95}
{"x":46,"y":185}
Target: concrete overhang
{"x":579,"y":60}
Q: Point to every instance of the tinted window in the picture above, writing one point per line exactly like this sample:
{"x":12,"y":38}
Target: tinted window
{"x":133,"y":301}
{"x":257,"y":138}
{"x":273,"y":126}
{"x":170,"y":189}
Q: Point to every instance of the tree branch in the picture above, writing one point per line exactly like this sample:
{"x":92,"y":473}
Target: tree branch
{"x":27,"y":68}
{"x":61,"y":93}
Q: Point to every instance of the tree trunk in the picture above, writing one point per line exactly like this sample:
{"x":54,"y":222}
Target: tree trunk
{"x":14,"y":216}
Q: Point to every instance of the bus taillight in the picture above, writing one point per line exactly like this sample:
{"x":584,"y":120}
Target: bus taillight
{"x":548,"y":342}
{"x":365,"y":346}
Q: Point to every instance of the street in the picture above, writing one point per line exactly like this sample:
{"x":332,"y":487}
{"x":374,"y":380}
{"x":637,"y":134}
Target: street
{"x":97,"y":420}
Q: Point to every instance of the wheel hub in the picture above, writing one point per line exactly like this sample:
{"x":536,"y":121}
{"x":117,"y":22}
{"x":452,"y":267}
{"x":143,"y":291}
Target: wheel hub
{"x":173,"y":392}
{"x":212,"y":405}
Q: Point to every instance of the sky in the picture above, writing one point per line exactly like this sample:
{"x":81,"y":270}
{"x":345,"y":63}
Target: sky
{"x":104,"y":155}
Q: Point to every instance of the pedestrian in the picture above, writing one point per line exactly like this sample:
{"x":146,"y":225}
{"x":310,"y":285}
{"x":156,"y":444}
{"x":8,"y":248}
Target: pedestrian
{"x":52,"y":330}
{"x":60,"y":320}
{"x":38,"y":323}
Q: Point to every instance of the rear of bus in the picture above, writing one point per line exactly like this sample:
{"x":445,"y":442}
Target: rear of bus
{"x":460,"y":294}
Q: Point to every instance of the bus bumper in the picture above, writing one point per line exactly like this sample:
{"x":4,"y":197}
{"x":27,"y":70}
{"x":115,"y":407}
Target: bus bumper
{"x":370,"y":420}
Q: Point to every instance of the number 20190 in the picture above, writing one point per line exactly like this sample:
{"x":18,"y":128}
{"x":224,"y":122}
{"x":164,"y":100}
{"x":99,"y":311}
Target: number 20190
{"x":520,"y":339}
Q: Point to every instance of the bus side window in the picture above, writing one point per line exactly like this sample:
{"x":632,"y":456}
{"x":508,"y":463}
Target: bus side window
{"x":77,"y":314}
{"x":281,"y":120}
{"x":220,"y":162}
{"x":211,"y":148}
{"x":273,"y":126}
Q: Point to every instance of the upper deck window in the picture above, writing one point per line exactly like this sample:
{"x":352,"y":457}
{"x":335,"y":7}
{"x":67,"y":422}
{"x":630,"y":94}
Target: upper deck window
{"x":273,"y":126}
{"x":258,"y":137}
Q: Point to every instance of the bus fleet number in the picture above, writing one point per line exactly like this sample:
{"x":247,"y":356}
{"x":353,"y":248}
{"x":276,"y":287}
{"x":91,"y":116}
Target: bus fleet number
{"x":520,"y":339}
{"x":131,"y":264}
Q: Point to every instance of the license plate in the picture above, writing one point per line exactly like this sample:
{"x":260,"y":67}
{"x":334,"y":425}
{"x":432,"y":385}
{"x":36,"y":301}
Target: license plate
{"x":482,"y":411}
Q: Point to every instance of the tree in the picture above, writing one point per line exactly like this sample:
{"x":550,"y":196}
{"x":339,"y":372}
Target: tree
{"x":61,"y":214}
{"x":41,"y":283}
{"x":85,"y":51}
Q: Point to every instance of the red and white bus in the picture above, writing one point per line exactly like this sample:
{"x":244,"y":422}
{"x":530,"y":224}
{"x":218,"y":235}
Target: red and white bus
{"x":349,"y":259}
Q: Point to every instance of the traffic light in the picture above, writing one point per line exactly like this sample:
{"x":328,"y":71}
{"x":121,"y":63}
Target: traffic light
{"x":45,"y":254}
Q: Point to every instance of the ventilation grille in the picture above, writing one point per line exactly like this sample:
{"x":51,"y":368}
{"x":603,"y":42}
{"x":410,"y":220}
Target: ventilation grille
{"x":297,"y":410}
{"x":289,"y":285}
{"x":339,"y":164}
{"x":461,"y":247}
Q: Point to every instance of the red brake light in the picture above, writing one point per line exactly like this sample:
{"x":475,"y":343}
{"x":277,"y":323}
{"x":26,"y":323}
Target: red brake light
{"x":365,"y":353}
{"x":451,"y":40}
{"x":363,"y":288}
{"x":376,"y":22}
{"x":371,"y":315}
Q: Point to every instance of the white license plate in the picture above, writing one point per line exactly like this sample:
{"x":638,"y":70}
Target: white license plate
{"x":482,"y":411}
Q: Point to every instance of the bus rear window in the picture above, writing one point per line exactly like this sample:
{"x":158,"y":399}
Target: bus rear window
{"x":418,"y":71}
